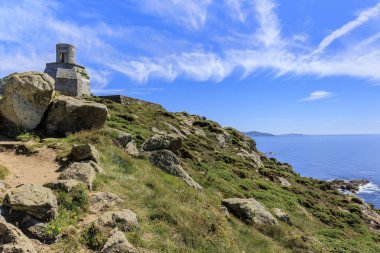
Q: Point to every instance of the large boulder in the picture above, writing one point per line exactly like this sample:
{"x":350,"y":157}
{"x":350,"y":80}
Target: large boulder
{"x":35,"y":200}
{"x":12,"y":240}
{"x":169,"y":162}
{"x":26,"y":98}
{"x":82,"y":172}
{"x":249,"y":210}
{"x":70,"y":115}
{"x":84,"y":152}
{"x":118,"y":243}
{"x":125,"y":220}
{"x":171,"y":142}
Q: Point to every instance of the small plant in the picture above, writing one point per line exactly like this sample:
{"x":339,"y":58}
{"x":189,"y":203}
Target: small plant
{"x":64,"y":219}
{"x":76,"y":200}
{"x":93,"y":237}
{"x":27,"y":136}
{"x":3,"y":172}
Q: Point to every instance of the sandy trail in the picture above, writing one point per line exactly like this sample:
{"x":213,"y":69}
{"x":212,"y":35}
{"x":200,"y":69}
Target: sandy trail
{"x":36,"y":169}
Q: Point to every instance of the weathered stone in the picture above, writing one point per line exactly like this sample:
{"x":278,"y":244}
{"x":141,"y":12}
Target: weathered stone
{"x":70,"y":115}
{"x":26,"y":98}
{"x":38,"y":201}
{"x":171,"y":142}
{"x":12,"y":240}
{"x":345,"y":185}
{"x":64,"y":185}
{"x":98,"y":169}
{"x":3,"y":81}
{"x":199,"y":132}
{"x":83,"y":172}
{"x":222,"y":140}
{"x":125,"y":220}
{"x":371,"y":216}
{"x":118,"y":243}
{"x":123,"y":138}
{"x":250,"y":211}
{"x":39,"y":231}
{"x":84,"y":152}
{"x":284,"y":182}
{"x":101,"y":201}
{"x":131,"y":149}
{"x":282,"y":215}
{"x":168,"y":161}
{"x":251,"y":156}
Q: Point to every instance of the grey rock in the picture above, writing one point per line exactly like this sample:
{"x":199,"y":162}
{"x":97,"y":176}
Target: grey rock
{"x":171,"y":142}
{"x":64,"y":185}
{"x":26,"y":98}
{"x":70,"y":115}
{"x":98,"y":169}
{"x":123,"y":138}
{"x":168,"y":161}
{"x":39,"y":231}
{"x":118,"y":243}
{"x":251,"y":156}
{"x":84,"y":152}
{"x":222,"y":140}
{"x":101,"y":201}
{"x":3,"y":81}
{"x":82,"y":172}
{"x":38,"y":201}
{"x":12,"y":240}
{"x":125,"y":220}
{"x":284,"y":182}
{"x":131,"y":149}
{"x":282,"y":215}
{"x":249,"y":210}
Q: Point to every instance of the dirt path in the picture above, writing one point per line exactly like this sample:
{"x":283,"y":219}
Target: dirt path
{"x":36,"y":169}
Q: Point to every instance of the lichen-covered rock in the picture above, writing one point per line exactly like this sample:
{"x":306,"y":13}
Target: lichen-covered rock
{"x":284,"y":182}
{"x":26,"y":98}
{"x":3,"y":81}
{"x":70,"y":115}
{"x":171,"y":142}
{"x":250,"y":211}
{"x":38,"y":231}
{"x":118,"y":243}
{"x":282,"y":215}
{"x":38,"y":201}
{"x":168,"y":161}
{"x":251,"y":156}
{"x":82,"y":172}
{"x":84,"y":152}
{"x":125,"y":220}
{"x":12,"y":240}
{"x":63,"y":185}
{"x":101,"y":201}
{"x":98,"y":169}
{"x":123,"y":138}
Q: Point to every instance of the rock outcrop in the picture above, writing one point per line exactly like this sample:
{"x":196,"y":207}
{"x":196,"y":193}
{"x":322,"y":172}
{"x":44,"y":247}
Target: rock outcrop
{"x":118,"y":243}
{"x":101,"y":201}
{"x":168,"y":161}
{"x":84,"y":152}
{"x":82,"y":172}
{"x":249,"y":211}
{"x":125,"y":220}
{"x":35,"y":200}
{"x":172,"y":142}
{"x":12,"y":240}
{"x":282,"y":215}
{"x":345,"y":185}
{"x":26,"y":98}
{"x":69,"y":115}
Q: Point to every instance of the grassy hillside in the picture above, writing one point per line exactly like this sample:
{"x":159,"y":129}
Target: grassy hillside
{"x":177,"y":218}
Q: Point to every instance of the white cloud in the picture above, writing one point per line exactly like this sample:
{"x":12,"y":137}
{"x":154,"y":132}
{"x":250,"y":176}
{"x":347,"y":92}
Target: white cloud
{"x":363,"y":17}
{"x":318,"y":95}
{"x":191,"y":13}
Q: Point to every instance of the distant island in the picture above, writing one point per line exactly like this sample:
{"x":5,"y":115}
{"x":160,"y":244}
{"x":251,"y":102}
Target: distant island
{"x":256,"y":133}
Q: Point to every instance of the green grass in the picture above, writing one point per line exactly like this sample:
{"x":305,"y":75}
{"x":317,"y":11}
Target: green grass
{"x":3,"y":172}
{"x":176,"y":218}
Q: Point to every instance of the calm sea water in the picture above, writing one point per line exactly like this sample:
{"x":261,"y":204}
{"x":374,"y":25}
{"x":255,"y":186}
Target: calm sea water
{"x":331,"y":157}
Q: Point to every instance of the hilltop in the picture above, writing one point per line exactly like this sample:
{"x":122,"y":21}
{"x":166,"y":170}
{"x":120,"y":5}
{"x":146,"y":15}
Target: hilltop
{"x":175,"y":182}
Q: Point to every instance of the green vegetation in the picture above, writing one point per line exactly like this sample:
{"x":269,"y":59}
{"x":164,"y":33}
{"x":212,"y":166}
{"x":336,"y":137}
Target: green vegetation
{"x":3,"y":172}
{"x":176,"y":218}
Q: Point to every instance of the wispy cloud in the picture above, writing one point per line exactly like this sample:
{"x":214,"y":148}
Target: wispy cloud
{"x":318,"y":95}
{"x":148,"y":52}
{"x":360,"y":20}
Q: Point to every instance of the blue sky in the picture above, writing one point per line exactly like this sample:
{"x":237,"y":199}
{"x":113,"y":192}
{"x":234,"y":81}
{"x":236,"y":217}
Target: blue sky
{"x":306,"y":66}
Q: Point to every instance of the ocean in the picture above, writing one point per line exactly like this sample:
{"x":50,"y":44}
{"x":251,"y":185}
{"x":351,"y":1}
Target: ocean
{"x":330,"y":157}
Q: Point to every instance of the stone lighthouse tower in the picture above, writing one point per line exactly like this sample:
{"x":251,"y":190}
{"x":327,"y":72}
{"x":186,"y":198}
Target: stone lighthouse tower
{"x":71,"y":79}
